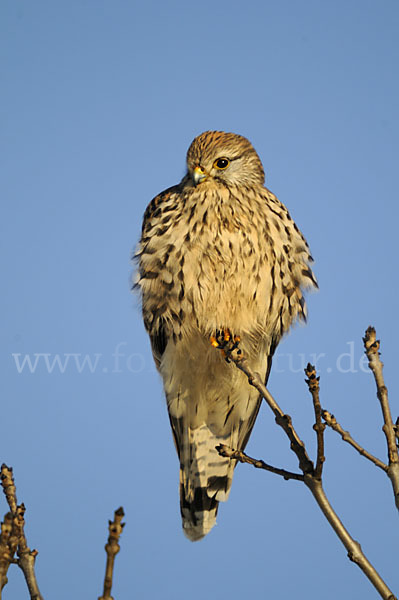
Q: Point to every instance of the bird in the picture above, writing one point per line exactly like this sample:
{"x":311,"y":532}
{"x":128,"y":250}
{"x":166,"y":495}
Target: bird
{"x":218,"y":253}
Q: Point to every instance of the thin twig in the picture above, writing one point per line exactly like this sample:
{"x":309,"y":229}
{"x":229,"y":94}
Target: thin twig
{"x":5,"y":553}
{"x":319,"y":426}
{"x":9,"y":489}
{"x":372,"y":346}
{"x":17,"y":539}
{"x":26,"y":556}
{"x":332,"y":422}
{"x":355,"y":552}
{"x":283,"y":420}
{"x":112,"y":548}
{"x":258,"y":464}
{"x":314,"y":483}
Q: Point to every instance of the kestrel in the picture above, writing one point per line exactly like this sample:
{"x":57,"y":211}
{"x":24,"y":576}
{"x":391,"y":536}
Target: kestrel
{"x":218,"y":252}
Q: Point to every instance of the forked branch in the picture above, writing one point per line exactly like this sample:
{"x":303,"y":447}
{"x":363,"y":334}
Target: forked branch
{"x":13,"y":539}
{"x":282,"y":419}
{"x":258,"y":464}
{"x":312,"y":475}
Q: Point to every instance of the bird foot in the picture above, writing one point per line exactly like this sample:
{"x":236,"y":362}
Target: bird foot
{"x":226,"y":342}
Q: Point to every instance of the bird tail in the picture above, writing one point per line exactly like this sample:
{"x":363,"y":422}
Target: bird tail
{"x":205,"y":480}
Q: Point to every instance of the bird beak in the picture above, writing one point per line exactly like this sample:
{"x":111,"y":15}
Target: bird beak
{"x":199,"y":175}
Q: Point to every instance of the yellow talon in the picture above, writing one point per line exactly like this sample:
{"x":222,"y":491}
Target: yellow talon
{"x":226,"y":335}
{"x":214,"y":342}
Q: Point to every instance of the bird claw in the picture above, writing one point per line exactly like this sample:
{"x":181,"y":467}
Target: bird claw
{"x":226,"y":342}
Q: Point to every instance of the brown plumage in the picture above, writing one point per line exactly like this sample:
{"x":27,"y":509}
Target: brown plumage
{"x":218,"y":252}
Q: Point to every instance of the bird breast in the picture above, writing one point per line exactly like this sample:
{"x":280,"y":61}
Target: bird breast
{"x":222,"y":262}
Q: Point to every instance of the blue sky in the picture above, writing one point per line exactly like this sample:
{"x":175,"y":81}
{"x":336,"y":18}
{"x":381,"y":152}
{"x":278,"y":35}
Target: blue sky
{"x":99,"y":103}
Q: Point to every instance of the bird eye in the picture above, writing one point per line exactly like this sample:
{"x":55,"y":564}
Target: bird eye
{"x":221,"y":163}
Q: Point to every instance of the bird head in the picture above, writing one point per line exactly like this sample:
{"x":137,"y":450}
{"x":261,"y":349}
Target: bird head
{"x":224,"y":158}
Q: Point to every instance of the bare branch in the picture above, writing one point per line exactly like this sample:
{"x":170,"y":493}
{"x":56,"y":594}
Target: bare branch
{"x":346,"y":436}
{"x":9,"y":489}
{"x":26,"y":556}
{"x":283,"y":420}
{"x":355,"y":552}
{"x":16,"y":539}
{"x":319,"y":426}
{"x":311,"y":480}
{"x":258,"y":464}
{"x":112,"y":548}
{"x":372,"y":346}
{"x":5,"y":554}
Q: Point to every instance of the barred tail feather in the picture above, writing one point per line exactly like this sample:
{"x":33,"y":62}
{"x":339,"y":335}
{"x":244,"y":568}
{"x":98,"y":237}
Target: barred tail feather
{"x":205,"y":480}
{"x":198,"y":516}
{"x":206,"y":410}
